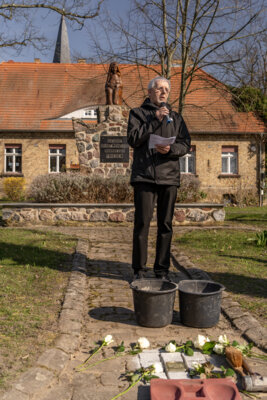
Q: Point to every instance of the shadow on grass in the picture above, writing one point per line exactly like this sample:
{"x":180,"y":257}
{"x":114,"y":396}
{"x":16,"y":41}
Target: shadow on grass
{"x":259,"y":260}
{"x":240,"y":284}
{"x":251,"y":217}
{"x":34,"y":256}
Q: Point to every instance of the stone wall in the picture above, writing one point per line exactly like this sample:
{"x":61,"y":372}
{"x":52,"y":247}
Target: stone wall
{"x":34,"y":213}
{"x":112,"y":121}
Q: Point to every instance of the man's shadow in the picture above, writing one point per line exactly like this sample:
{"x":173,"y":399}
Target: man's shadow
{"x":119,"y":271}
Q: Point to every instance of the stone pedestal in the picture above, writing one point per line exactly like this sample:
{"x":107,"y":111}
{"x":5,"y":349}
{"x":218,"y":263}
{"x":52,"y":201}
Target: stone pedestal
{"x":112,"y":121}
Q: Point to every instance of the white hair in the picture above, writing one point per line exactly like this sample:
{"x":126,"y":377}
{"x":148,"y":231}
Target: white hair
{"x":153,"y":81}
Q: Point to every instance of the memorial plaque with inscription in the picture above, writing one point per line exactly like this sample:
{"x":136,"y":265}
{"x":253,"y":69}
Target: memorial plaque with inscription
{"x":114,"y":149}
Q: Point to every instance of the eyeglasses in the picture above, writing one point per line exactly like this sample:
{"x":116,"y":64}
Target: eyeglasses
{"x":162,"y":89}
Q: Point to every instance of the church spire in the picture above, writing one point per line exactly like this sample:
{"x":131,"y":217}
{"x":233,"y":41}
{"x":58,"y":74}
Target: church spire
{"x":62,"y":50}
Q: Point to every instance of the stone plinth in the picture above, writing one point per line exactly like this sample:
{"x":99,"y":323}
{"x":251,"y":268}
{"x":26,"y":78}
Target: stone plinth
{"x":112,"y":121}
{"x":36,"y":213}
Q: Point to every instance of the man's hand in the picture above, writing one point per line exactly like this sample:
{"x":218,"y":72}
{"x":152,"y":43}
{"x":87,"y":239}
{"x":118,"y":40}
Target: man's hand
{"x":162,"y":149}
{"x":162,"y":112}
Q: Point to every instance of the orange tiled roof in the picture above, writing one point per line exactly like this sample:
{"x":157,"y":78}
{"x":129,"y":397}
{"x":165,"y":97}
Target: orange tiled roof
{"x":34,"y":95}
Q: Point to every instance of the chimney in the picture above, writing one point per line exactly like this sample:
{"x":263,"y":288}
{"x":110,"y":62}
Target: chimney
{"x":37,"y":60}
{"x":176,"y":63}
{"x":81,"y":61}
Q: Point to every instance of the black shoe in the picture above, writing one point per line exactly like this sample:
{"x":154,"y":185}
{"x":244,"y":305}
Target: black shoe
{"x":138,"y":275}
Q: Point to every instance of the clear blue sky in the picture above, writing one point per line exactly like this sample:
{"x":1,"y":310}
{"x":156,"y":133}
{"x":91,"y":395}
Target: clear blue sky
{"x":48,"y":24}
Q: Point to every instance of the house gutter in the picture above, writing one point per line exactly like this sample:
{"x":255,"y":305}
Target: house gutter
{"x":35,"y":131}
{"x":225,"y":133}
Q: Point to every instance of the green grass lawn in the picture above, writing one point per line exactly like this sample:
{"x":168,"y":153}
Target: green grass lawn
{"x":34,"y":270}
{"x":232,"y":258}
{"x":256,"y":216}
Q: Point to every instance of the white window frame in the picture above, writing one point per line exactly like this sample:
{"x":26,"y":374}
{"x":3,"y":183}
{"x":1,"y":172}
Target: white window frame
{"x":229,"y":155}
{"x":186,"y":157}
{"x":14,"y":154}
{"x":90,"y":113}
{"x":57,"y":155}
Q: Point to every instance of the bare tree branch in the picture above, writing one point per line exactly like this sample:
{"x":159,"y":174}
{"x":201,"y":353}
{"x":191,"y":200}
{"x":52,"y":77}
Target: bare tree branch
{"x":22,"y":12}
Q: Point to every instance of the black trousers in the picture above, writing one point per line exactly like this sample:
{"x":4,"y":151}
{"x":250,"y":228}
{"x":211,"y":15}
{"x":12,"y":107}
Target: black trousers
{"x":145,"y":196}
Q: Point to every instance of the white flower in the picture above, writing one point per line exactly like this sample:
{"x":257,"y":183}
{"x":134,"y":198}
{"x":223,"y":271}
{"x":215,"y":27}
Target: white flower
{"x":223,"y":340}
{"x":170,"y":348}
{"x":200,"y":341}
{"x":196,"y":365}
{"x":157,"y":368}
{"x":218,"y":348}
{"x":143,"y":343}
{"x":108,"y":339}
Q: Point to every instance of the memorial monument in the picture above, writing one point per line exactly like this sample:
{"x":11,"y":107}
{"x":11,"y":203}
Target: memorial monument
{"x":103,"y":147}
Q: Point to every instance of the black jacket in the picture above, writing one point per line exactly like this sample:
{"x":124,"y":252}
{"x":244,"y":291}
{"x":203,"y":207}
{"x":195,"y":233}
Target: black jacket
{"x":150,"y":165}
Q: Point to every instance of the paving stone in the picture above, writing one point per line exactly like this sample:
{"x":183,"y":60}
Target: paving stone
{"x":67,"y":343}
{"x":257,"y":336}
{"x":72,"y":315}
{"x":92,"y":394}
{"x":133,"y":363}
{"x":87,"y":387}
{"x":234,"y":312}
{"x":34,"y":380}
{"x":171,"y":357}
{"x":71,"y":327}
{"x":173,"y":365}
{"x":150,"y":333}
{"x":14,"y":394}
{"x":72,"y":304}
{"x":149,"y":357}
{"x":197,"y":357}
{"x":86,"y":378}
{"x":177,"y":375}
{"x":245,"y":322}
{"x":227,"y":302}
{"x":54,"y":359}
{"x":109,"y":379}
{"x":62,"y":392}
{"x":111,"y":365}
{"x":82,"y":394}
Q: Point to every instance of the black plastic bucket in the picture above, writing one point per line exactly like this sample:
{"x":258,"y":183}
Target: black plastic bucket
{"x":200,"y":303}
{"x":153,"y":302}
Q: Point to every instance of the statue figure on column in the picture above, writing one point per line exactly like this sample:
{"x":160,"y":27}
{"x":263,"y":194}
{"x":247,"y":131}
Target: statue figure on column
{"x":113,"y":87}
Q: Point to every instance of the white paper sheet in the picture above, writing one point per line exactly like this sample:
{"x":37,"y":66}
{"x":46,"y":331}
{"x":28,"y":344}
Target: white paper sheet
{"x":155,"y":139}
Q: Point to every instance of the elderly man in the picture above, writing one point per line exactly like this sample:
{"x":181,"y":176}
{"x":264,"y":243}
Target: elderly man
{"x":155,"y":173}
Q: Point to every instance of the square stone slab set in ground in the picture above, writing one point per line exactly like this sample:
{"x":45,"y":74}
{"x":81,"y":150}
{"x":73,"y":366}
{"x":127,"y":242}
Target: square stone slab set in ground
{"x":176,"y":365}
